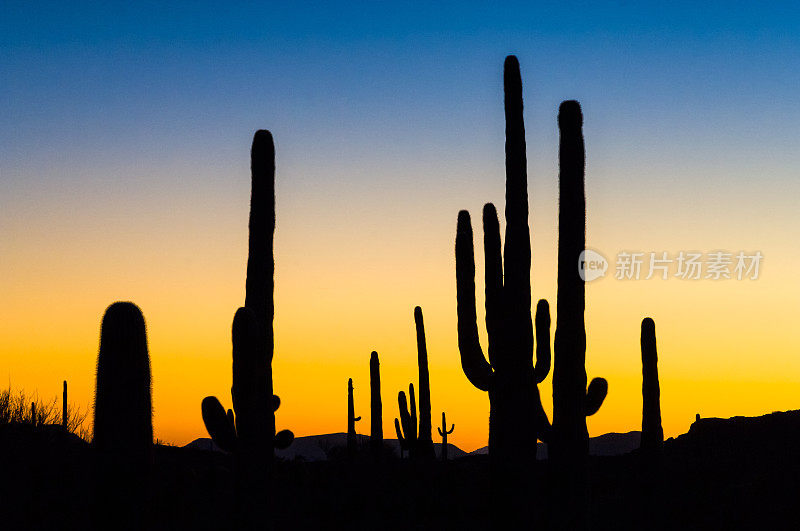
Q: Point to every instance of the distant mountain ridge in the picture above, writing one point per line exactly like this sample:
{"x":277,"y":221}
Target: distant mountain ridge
{"x":323,"y":447}
{"x":608,"y":444}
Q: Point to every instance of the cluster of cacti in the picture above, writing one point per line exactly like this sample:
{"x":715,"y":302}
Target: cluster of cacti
{"x":652,"y":433}
{"x":253,"y":439}
{"x":376,"y":407}
{"x":443,"y":433}
{"x":417,"y":442}
{"x":352,"y":443}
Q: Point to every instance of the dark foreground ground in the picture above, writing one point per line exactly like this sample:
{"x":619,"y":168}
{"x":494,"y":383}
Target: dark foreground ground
{"x":740,"y":473}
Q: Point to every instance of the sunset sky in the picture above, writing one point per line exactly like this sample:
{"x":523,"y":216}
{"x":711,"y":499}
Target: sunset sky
{"x":125,"y":131}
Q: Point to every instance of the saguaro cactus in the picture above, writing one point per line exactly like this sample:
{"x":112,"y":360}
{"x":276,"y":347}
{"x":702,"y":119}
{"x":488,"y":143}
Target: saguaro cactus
{"x":123,"y":425}
{"x":652,"y":433}
{"x":376,"y":407}
{"x":253,"y":400}
{"x":444,"y":432}
{"x":406,"y":427}
{"x":424,"y":438}
{"x":64,"y":414}
{"x":572,"y":402}
{"x":351,"y":419}
{"x":123,"y":422}
{"x":516,"y":416}
{"x":237,"y":433}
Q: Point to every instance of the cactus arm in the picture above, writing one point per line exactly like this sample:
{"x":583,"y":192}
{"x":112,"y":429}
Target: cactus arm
{"x":283,"y":439}
{"x":598,"y":389}
{"x":399,"y":432}
{"x":405,"y":416}
{"x":542,"y":368}
{"x":494,"y":283}
{"x":251,"y":423}
{"x":452,"y":427}
{"x":412,"y":412}
{"x":356,"y":419}
{"x":440,"y":432}
{"x":218,"y":424}
{"x":476,"y":368}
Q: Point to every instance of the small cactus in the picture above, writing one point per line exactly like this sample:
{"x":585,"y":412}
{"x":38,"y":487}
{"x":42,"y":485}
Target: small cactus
{"x":652,"y":432}
{"x":64,"y":413}
{"x":444,"y":432}
{"x":352,"y":443}
{"x":376,"y":407}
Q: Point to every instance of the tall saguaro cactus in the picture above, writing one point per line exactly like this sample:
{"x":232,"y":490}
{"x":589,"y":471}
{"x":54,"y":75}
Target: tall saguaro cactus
{"x":444,"y":432}
{"x":251,"y":433}
{"x":516,"y":416}
{"x":376,"y":407}
{"x":351,"y":419}
{"x":652,"y":433}
{"x":123,"y":422}
{"x":568,"y":448}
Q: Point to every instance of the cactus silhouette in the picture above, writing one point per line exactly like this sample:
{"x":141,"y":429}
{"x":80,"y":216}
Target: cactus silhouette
{"x":123,"y":425}
{"x":351,"y":420}
{"x":444,"y":432}
{"x":123,"y":422}
{"x":516,"y":416}
{"x":376,"y":407}
{"x":64,"y":414}
{"x":424,"y":446}
{"x":406,"y":427}
{"x":418,"y":441}
{"x":250,"y":433}
{"x":568,"y":448}
{"x":652,"y":433}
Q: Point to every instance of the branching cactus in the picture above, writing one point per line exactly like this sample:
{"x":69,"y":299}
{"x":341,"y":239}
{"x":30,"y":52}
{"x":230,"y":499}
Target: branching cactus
{"x":406,"y":427}
{"x":652,"y":433}
{"x":568,"y":448}
{"x":254,"y":403}
{"x":351,"y":420}
{"x":444,"y":432}
{"x":376,"y":407}
{"x":516,"y":416}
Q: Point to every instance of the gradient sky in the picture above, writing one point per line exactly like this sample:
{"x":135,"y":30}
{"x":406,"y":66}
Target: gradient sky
{"x":124,"y":175}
